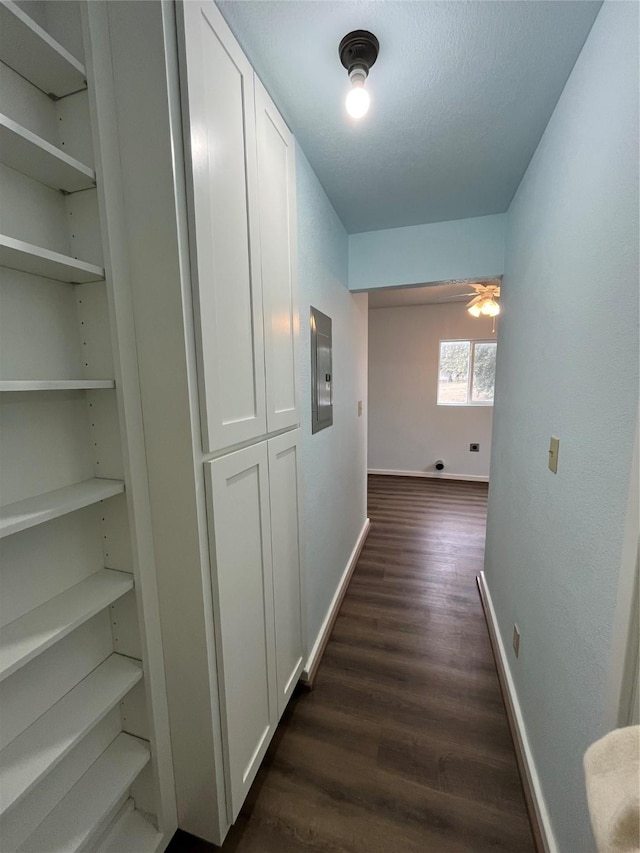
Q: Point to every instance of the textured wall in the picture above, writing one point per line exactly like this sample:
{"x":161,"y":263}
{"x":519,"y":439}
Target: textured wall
{"x":335,"y":459}
{"x":418,"y":254}
{"x":408,"y":431}
{"x":568,"y":366}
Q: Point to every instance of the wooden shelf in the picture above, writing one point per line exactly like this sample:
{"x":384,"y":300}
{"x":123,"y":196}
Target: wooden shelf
{"x":26,"y":257}
{"x":35,"y":752}
{"x":26,"y":637}
{"x":55,"y":384}
{"x":23,"y":514}
{"x":30,"y":50}
{"x":26,"y":152}
{"x":80,"y":815}
{"x":131,"y":831}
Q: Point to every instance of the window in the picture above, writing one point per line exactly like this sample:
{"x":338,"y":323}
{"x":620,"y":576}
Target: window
{"x":466,"y":373}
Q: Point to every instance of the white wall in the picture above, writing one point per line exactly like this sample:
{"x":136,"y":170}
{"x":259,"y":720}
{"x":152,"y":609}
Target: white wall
{"x":334,"y":460}
{"x":418,"y":254}
{"x":408,"y":431}
{"x":568,"y":366}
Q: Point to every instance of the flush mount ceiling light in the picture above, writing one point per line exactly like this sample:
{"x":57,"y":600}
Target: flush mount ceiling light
{"x":358,"y":52}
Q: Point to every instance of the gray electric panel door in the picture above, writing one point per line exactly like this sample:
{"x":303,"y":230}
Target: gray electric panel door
{"x":321,"y":371}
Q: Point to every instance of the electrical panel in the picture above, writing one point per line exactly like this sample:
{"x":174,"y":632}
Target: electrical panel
{"x":321,"y":371}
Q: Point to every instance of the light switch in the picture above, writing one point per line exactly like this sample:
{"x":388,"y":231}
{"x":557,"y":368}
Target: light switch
{"x":359,"y":408}
{"x":554,"y":447}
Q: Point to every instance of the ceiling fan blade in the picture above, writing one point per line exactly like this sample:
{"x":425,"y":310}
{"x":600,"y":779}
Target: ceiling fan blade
{"x":477,"y":298}
{"x":458,"y":296}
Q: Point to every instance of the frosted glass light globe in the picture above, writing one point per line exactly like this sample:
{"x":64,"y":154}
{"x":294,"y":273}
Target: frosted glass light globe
{"x":490,"y":308}
{"x":357,"y":101}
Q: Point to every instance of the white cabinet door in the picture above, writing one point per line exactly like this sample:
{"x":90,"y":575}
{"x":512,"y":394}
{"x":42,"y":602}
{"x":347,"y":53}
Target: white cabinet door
{"x":240,"y":542}
{"x":218,"y":100}
{"x":276,"y":189}
{"x":285,"y":526}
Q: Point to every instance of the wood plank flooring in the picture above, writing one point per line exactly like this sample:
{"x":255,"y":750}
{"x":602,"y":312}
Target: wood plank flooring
{"x":403,"y":745}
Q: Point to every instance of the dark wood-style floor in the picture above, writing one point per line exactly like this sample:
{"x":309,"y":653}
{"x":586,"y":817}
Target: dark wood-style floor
{"x":403,"y":745}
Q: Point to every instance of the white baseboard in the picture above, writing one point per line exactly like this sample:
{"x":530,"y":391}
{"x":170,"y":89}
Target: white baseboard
{"x":533,"y":780}
{"x":308,"y":673}
{"x":436,"y":475}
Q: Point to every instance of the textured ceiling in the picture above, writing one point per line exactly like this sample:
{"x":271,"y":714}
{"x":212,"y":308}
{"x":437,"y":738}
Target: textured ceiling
{"x":440,"y":291}
{"x":460,"y":96}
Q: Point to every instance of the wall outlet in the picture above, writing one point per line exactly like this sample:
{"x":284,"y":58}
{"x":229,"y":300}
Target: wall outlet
{"x":516,"y":640}
{"x":554,"y":449}
{"x":359,"y":408}
{"x":474,"y":448}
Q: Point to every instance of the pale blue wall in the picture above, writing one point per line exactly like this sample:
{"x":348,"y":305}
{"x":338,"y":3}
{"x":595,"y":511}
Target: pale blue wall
{"x":418,"y":254}
{"x":568,"y":366}
{"x":334,"y":460}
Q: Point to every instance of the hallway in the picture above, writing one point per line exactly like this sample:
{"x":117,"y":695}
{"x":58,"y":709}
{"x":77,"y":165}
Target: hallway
{"x":403,"y":745}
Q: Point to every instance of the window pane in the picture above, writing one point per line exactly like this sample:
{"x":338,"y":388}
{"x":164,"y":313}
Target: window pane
{"x":453,"y":378}
{"x":484,"y":373}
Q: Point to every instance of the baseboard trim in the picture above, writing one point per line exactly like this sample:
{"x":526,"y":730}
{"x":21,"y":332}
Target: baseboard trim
{"x":436,"y":475}
{"x":543,"y":836}
{"x":308,"y":676}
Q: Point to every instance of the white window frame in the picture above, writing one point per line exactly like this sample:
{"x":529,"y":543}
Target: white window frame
{"x":472,"y":356}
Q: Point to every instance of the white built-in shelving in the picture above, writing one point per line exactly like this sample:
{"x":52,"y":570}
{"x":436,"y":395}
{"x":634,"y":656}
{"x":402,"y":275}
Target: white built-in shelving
{"x":26,"y":152}
{"x":80,"y":815}
{"x":81,"y":665}
{"x":36,"y":510}
{"x":55,"y":384}
{"x":29,"y":49}
{"x":28,"y":758}
{"x":19,"y":255}
{"x":130,"y":832}
{"x":31,"y":634}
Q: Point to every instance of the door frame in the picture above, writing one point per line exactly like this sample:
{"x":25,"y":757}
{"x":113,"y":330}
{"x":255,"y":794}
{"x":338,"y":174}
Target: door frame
{"x":622,"y":687}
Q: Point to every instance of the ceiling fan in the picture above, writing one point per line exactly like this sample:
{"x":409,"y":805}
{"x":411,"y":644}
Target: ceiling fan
{"x":484,"y":302}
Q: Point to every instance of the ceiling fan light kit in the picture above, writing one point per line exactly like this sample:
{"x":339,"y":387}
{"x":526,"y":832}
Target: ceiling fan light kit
{"x":358,"y":51}
{"x":484,"y":303}
{"x":486,"y":307}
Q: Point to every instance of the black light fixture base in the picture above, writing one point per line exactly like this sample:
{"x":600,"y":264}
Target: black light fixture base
{"x":359,"y":49}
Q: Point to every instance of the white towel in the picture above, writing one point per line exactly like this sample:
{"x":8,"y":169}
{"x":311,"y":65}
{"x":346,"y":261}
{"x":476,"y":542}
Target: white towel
{"x":612,"y":773}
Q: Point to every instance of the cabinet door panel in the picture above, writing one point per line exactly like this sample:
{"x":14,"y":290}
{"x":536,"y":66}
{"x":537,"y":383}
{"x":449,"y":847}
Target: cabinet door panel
{"x":222,"y":185}
{"x":276,"y":188}
{"x":242,"y":581}
{"x":285,"y":525}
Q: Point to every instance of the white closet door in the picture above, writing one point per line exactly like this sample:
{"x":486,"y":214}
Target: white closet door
{"x":276,"y":187}
{"x":243,"y":596}
{"x":218,"y":99}
{"x":285,"y":530}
